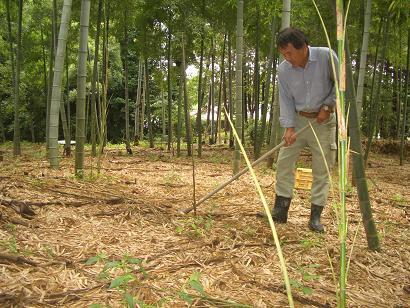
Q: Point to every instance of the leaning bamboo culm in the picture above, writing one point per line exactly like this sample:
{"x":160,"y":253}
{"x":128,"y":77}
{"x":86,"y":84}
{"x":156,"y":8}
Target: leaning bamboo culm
{"x":267,"y":210}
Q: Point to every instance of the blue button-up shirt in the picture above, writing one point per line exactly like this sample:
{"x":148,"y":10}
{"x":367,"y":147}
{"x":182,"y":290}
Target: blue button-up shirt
{"x":306,"y":89}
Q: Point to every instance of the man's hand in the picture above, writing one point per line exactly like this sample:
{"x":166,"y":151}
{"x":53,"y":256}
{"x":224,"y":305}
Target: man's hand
{"x":289,"y":136}
{"x":322,"y":116}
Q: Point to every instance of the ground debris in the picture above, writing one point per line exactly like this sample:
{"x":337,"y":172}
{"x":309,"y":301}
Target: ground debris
{"x":88,"y":233}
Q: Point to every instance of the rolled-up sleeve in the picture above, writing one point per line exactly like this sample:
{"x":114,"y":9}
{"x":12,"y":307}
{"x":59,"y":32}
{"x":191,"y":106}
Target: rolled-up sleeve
{"x":330,"y":100}
{"x":286,"y":103}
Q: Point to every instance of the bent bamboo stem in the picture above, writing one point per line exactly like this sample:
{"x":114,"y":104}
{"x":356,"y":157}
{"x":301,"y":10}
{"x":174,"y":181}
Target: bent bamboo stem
{"x":243,"y":171}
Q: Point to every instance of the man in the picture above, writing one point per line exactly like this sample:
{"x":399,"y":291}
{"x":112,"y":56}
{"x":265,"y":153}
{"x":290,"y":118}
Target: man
{"x":306,"y":94}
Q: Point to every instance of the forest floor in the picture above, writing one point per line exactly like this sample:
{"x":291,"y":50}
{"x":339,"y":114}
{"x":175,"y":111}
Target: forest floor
{"x":120,"y":235}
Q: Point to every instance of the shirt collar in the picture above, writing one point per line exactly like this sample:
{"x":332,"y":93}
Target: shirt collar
{"x":312,"y":55}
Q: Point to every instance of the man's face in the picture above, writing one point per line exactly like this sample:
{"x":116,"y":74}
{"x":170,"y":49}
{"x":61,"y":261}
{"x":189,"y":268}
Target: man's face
{"x":297,"y":57}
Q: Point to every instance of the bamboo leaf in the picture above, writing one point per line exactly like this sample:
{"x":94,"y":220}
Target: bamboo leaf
{"x":134,"y":261}
{"x":111,"y":264}
{"x":129,"y":299}
{"x":307,"y":290}
{"x":92,"y":260}
{"x":186,"y":297}
{"x":195,"y":283}
{"x":121,"y":280}
{"x":197,"y":286}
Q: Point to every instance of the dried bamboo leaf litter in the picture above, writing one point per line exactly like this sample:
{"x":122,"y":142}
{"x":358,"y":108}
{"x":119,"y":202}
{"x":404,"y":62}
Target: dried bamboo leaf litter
{"x":132,"y":211}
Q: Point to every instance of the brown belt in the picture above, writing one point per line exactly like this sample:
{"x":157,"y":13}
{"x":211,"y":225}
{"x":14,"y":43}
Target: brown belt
{"x":308,"y":114}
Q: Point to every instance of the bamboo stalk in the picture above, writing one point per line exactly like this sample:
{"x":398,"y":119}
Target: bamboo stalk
{"x":243,"y":171}
{"x":340,"y":87}
{"x":340,"y":104}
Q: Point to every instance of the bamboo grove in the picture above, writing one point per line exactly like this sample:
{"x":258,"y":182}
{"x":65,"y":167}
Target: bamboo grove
{"x":137,"y":70}
{"x":169,"y":73}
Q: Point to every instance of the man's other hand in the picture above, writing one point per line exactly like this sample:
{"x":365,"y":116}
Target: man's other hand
{"x":322,"y":116}
{"x":289,"y":136}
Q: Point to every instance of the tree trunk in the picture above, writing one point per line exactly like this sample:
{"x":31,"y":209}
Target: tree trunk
{"x":358,"y":164}
{"x":179,"y":124}
{"x":11,"y":49}
{"x":163,"y":112}
{"x":67,"y":146}
{"x":238,"y":77}
{"x":230,"y":104}
{"x":81,"y":89}
{"x":43,"y":49}
{"x":186,"y":109}
{"x":271,"y":57}
{"x":143,"y":99}
{"x":2,"y":130}
{"x":221,"y":85}
{"x":57,"y":79}
{"x":276,"y":131}
{"x":256,"y":90}
{"x":67,"y":136}
{"x":102,"y":107}
{"x":363,"y":57}
{"x":50,"y":82}
{"x":163,"y":105}
{"x":399,"y":87}
{"x":211,"y":95}
{"x":16,"y":135}
{"x":87,"y":99}
{"x":396,"y":100}
{"x":404,"y":126}
{"x":200,"y":97}
{"x":127,"y":107}
{"x":375,"y":103}
{"x":94,"y":82}
{"x":148,"y":101}
{"x":138,"y":102}
{"x":64,"y":117}
{"x":169,"y":91}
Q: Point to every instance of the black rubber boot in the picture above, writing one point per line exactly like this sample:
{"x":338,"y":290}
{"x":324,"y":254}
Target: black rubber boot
{"x":280,"y":209}
{"x":314,"y":222}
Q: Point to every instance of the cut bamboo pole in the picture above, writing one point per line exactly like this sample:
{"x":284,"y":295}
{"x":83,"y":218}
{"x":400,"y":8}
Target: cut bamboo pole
{"x":243,"y":171}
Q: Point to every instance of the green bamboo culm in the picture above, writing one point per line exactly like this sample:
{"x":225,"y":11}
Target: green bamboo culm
{"x":340,"y":89}
{"x":238,"y":77}
{"x":57,"y":80}
{"x":340,"y":105}
{"x":81,"y":92}
{"x":267,"y":210}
